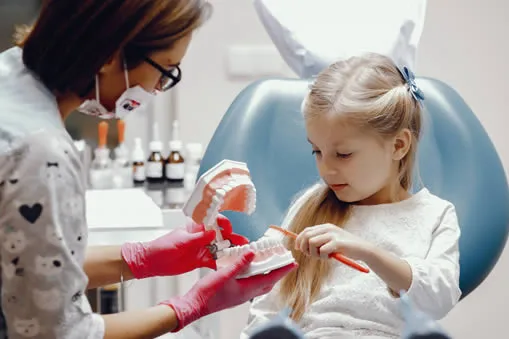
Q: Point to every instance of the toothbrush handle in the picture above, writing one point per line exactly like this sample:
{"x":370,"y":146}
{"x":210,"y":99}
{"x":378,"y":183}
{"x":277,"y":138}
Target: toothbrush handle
{"x":348,"y":262}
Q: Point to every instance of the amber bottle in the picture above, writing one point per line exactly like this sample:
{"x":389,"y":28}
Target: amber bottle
{"x":175,"y":164}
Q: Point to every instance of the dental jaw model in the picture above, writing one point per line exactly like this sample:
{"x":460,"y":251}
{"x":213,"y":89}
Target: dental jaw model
{"x":270,"y":255}
{"x":228,"y":187}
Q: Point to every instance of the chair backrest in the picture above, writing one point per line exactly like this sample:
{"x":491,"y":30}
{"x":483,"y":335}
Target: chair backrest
{"x":456,"y":161}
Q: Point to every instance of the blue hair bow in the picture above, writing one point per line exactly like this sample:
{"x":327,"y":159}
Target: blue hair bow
{"x":410,"y":80}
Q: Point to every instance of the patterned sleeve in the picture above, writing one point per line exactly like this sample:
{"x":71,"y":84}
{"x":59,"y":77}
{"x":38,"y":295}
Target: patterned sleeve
{"x":43,"y":237}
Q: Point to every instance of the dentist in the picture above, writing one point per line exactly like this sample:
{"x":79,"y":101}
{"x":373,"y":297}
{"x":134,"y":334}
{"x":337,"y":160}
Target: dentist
{"x":103,"y":58}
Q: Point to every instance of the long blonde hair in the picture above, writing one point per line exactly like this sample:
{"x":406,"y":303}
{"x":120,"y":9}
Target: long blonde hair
{"x":372,"y":93}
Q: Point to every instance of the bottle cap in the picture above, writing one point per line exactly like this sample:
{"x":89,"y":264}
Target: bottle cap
{"x":102,"y":153}
{"x":175,"y":130}
{"x":155,"y":146}
{"x":120,"y":152}
{"x":194,"y":150}
{"x":175,"y":145}
{"x":138,"y":153}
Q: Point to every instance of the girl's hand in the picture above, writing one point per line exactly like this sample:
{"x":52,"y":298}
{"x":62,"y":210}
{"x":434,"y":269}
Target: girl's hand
{"x":322,"y":240}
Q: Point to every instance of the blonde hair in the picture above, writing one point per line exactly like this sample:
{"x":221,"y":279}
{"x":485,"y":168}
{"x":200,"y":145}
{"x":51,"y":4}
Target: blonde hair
{"x":372,"y":93}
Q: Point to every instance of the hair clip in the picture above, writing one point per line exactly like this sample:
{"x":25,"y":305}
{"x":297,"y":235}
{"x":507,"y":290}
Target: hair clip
{"x":409,"y":77}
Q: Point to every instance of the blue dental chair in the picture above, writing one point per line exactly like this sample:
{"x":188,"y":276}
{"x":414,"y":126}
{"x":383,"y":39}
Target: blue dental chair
{"x":456,"y":160}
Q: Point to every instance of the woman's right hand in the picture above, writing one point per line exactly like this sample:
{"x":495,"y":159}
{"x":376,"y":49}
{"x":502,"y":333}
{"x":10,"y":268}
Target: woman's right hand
{"x":179,"y":251}
{"x":220,"y":290}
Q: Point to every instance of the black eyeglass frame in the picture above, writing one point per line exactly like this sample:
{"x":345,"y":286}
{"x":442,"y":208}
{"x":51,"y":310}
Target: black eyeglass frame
{"x":175,"y":79}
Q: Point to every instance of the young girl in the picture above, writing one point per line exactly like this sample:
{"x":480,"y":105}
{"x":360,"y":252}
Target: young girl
{"x":363,"y":121}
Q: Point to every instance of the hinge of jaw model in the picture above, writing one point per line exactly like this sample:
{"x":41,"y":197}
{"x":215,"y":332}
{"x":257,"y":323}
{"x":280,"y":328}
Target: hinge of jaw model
{"x":228,"y":187}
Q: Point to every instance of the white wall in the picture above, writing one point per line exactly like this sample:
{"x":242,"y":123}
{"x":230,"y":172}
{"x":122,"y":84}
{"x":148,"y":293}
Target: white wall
{"x":463,"y":44}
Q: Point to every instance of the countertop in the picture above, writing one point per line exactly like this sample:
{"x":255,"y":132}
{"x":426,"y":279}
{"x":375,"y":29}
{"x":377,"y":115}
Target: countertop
{"x":169,"y":197}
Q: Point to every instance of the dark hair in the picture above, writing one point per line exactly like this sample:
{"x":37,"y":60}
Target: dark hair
{"x":72,"y":39}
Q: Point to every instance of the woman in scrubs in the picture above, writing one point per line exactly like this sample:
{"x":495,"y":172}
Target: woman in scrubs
{"x":104,"y":58}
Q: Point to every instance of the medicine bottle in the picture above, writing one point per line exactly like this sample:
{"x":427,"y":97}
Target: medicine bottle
{"x":138,"y":163}
{"x":194,"y":153}
{"x":154,"y":170}
{"x":109,"y":296}
{"x":175,"y":164}
{"x":101,"y":168}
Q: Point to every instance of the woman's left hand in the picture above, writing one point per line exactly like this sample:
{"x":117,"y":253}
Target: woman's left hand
{"x":322,"y":240}
{"x":177,"y":252}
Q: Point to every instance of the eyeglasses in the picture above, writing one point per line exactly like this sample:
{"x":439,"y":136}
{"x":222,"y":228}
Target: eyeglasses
{"x":169,"y":77}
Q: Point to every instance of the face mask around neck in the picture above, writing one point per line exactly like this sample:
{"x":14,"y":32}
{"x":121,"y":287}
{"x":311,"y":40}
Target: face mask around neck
{"x":134,"y":99}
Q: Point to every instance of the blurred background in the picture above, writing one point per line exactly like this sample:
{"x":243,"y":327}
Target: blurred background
{"x":463,"y":43}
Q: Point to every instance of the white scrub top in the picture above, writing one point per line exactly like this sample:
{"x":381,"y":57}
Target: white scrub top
{"x":43,"y":231}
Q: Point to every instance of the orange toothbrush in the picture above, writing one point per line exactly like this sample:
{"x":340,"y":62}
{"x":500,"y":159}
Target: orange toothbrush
{"x":337,"y":256}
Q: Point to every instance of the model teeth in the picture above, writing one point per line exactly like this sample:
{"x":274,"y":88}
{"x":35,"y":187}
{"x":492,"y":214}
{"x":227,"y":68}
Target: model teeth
{"x":211,"y":215}
{"x":267,"y":244}
{"x":251,"y":201}
{"x":262,"y":245}
{"x":270,"y":254}
{"x":213,"y":208}
{"x":208,"y":199}
{"x":241,"y":180}
{"x":217,"y":200}
{"x":233,"y":182}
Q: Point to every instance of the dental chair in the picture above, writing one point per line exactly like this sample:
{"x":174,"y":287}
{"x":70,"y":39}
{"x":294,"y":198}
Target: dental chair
{"x":456,"y":161}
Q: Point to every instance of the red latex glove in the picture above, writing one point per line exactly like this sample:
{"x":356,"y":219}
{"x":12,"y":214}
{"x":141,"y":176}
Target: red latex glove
{"x":180,"y":251}
{"x":226,"y":231}
{"x":221,"y":290}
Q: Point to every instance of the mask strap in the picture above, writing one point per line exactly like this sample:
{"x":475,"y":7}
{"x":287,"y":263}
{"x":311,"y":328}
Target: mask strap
{"x":126,"y":74}
{"x":97,"y":88}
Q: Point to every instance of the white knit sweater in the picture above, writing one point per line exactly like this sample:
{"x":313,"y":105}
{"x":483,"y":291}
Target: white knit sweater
{"x":422,"y":230}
